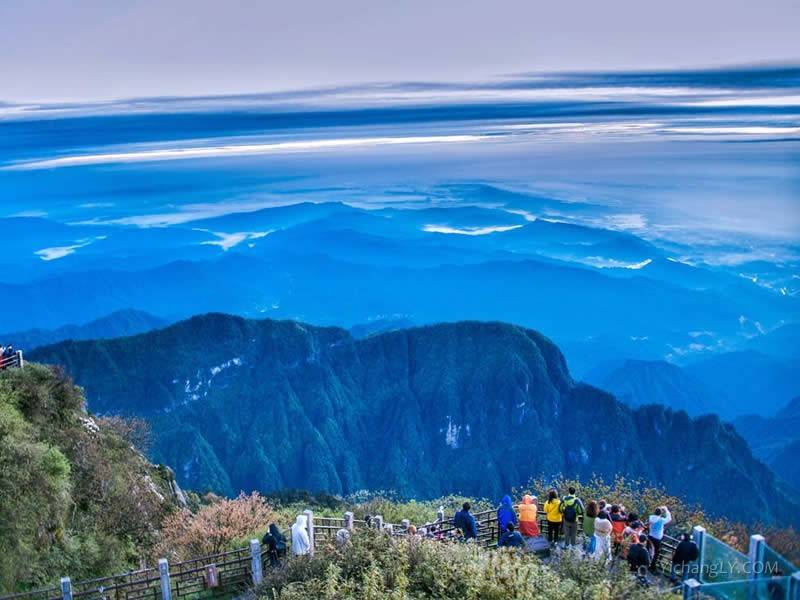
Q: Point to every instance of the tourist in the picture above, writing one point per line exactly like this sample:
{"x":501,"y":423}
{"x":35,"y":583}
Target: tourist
{"x":631,"y":534}
{"x":301,"y":544}
{"x":464,"y":521}
{"x":638,"y":556}
{"x":571,"y":508}
{"x":602,"y":537}
{"x":342,"y":537}
{"x":660,"y":518}
{"x":552,"y":509}
{"x":603,"y":508}
{"x":618,"y":525}
{"x":685,"y":553}
{"x":505,"y":515}
{"x":275,"y":544}
{"x":511,"y":538}
{"x":588,"y":526}
{"x":528,"y":517}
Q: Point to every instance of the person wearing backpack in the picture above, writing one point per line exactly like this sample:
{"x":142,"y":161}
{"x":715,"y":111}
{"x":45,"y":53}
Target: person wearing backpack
{"x":571,"y":508}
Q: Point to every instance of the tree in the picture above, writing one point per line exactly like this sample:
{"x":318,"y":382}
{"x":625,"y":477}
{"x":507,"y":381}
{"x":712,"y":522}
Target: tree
{"x":214,"y":527}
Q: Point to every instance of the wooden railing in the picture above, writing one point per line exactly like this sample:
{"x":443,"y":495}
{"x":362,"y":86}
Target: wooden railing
{"x":14,"y":361}
{"x":222,"y":573}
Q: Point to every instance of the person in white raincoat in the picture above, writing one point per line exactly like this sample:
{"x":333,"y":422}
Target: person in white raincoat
{"x":602,"y":536}
{"x":301,"y":545}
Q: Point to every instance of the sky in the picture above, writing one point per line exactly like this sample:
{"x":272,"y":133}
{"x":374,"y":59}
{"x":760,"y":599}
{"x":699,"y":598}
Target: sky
{"x":85,"y":50}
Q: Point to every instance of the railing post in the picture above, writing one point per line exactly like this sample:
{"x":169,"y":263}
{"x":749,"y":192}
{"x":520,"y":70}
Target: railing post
{"x":699,"y":536}
{"x":66,"y":588}
{"x":378,"y":520}
{"x":20,"y":362}
{"x":310,"y":526}
{"x":755,"y":555}
{"x":349,"y":521}
{"x":406,"y":523}
{"x":440,"y":515}
{"x":691,"y":589}
{"x":794,"y":586}
{"x":255,"y":559}
{"x":163,"y":571}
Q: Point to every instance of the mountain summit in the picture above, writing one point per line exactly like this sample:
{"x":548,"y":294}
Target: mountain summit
{"x":473,"y":407}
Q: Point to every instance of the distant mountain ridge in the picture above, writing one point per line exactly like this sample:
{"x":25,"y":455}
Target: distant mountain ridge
{"x":776,"y":440}
{"x":118,"y":324}
{"x":640,"y":382}
{"x":474,"y":407}
{"x":742,"y":381}
{"x":468,"y":251}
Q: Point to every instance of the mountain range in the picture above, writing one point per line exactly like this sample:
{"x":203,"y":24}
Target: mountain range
{"x":475,"y":407}
{"x":775,"y":440}
{"x":118,"y":324}
{"x":728,"y":384}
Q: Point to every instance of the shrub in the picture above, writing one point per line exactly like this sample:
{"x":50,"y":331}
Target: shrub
{"x":213,"y":528}
{"x":376,"y":566}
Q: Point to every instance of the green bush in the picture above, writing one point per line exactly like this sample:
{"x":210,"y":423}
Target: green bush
{"x":75,"y":497}
{"x":375,"y":566}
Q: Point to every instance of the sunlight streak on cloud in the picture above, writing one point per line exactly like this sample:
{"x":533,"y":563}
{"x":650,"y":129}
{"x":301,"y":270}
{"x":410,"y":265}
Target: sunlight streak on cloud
{"x":239,"y":150}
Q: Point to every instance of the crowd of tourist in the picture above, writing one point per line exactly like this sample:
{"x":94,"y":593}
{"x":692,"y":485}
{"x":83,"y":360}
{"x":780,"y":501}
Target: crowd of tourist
{"x":610,"y":532}
{"x":596,"y":529}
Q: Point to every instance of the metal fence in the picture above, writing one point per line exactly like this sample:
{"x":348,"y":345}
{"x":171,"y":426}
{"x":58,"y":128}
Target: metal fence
{"x":14,"y":361}
{"x":724,"y":572}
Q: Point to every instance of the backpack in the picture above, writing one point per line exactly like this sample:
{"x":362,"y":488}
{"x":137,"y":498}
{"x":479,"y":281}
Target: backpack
{"x":570,"y":511}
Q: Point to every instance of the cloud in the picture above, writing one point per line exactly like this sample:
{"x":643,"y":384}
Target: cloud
{"x":627,"y":221}
{"x":30,"y":214}
{"x":56,"y":252}
{"x":611,"y":263}
{"x":227,"y":241}
{"x":469,"y":230}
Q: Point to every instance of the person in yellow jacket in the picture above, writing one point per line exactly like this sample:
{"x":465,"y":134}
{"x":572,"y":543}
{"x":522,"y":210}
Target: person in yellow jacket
{"x":528,"y":511}
{"x":552,"y":509}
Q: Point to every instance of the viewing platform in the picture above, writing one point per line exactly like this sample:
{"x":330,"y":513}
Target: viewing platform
{"x":720,"y":572}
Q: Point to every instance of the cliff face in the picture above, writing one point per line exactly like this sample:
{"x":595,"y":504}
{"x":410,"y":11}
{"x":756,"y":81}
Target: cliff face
{"x":470,"y":407}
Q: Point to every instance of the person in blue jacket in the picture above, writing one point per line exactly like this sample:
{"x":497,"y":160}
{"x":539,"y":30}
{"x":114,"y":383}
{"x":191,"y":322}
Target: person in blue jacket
{"x":511,"y":538}
{"x":505,"y":515}
{"x":464,"y":520}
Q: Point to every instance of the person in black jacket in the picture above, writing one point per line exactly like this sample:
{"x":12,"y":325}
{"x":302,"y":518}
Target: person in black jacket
{"x":275,"y":543}
{"x":638,"y":556}
{"x":686,"y":552}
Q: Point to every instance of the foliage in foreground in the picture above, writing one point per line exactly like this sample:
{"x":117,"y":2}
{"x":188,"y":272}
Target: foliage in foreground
{"x":375,"y":566}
